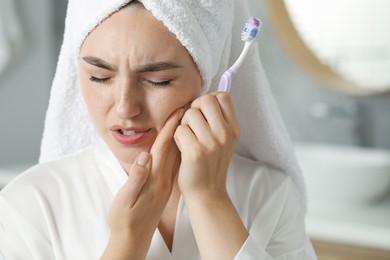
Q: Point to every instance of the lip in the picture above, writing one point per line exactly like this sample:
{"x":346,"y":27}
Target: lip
{"x":126,"y":139}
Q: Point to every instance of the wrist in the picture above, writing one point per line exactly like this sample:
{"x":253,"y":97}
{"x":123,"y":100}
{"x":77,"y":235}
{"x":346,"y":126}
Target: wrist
{"x":210,"y":198}
{"x":218,"y":228}
{"x":122,"y":245}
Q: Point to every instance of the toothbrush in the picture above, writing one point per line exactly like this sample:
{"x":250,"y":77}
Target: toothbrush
{"x":248,"y":35}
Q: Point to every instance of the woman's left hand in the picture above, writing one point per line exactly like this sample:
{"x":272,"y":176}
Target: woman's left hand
{"x":206,"y":137}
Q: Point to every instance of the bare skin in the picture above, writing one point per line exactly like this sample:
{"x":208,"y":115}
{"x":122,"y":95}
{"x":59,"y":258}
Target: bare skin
{"x":135,"y":73}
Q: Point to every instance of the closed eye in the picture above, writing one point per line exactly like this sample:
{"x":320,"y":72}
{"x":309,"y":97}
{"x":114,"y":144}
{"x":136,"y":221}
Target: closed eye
{"x":159,"y":83}
{"x":98,"y":80}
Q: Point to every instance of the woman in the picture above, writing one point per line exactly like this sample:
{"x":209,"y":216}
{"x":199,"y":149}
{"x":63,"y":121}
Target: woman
{"x":162,"y":181}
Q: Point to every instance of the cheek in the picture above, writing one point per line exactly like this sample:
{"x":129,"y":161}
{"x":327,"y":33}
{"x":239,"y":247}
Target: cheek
{"x":163,"y":106}
{"x":95,"y":100}
{"x":88,"y":95}
{"x":159,"y":110}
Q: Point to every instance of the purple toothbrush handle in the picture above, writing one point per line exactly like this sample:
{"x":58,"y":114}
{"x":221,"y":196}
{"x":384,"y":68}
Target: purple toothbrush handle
{"x":226,"y":79}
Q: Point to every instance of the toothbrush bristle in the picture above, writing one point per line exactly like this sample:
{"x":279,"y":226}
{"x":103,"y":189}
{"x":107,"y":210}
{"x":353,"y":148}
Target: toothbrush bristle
{"x":250,"y":29}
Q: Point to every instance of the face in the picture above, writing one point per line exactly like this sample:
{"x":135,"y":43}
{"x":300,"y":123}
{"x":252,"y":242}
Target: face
{"x":134,"y":74}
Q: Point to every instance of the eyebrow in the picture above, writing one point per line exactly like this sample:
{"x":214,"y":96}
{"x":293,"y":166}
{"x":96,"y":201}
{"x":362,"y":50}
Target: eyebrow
{"x":99,"y":63}
{"x":157,"y":66}
{"x":151,"y":67}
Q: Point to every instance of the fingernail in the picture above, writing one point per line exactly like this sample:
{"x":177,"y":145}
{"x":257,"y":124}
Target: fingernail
{"x":143,"y":158}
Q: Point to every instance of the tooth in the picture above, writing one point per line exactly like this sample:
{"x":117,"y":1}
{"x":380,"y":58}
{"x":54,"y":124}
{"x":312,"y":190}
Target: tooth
{"x":128,"y":132}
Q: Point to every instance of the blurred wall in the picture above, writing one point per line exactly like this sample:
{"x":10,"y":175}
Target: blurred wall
{"x":24,"y":87}
{"x":312,"y":111}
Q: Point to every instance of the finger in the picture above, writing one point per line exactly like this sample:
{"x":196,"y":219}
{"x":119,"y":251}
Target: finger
{"x":171,"y":162}
{"x":138,"y":176}
{"x":210,"y":108}
{"x":164,"y":141}
{"x":228,"y":111}
{"x":227,"y":107}
{"x":185,"y":138}
{"x":217,"y":107}
{"x":198,"y":124}
{"x":176,"y":166}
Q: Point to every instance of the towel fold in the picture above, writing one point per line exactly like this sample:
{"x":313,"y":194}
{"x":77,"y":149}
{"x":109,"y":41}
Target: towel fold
{"x":210,"y":30}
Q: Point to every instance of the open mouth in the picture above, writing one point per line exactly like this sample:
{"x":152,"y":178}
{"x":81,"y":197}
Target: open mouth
{"x":128,"y":132}
{"x":129,"y":136}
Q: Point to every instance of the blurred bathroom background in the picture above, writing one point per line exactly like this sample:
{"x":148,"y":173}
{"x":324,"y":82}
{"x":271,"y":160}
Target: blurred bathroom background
{"x":26,"y":77}
{"x":314,"y":112}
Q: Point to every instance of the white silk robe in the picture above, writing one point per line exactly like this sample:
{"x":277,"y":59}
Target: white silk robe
{"x":58,"y":210}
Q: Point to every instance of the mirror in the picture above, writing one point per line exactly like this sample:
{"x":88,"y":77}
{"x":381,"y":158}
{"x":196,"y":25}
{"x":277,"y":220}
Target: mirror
{"x":346,"y":44}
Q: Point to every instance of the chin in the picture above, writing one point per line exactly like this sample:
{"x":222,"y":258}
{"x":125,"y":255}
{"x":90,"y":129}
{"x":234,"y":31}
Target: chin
{"x":127,"y":155}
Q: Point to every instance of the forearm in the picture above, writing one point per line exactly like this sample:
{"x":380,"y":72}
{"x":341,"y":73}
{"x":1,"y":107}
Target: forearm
{"x":218,"y":229}
{"x":122,"y":247}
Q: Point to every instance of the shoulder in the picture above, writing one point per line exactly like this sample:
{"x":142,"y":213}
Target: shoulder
{"x":255,"y":187}
{"x":245,"y":173}
{"x":51,"y":176}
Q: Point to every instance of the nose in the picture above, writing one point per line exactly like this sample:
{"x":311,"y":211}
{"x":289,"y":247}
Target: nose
{"x":128,"y":101}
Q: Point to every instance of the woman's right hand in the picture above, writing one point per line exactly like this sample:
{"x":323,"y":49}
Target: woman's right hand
{"x":138,"y":206}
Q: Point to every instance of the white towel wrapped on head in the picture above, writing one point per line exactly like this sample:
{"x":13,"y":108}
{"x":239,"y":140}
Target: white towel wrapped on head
{"x":210,"y":30}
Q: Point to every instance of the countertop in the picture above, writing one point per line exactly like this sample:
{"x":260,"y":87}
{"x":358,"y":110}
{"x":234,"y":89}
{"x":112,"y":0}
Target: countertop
{"x":365,"y":224}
